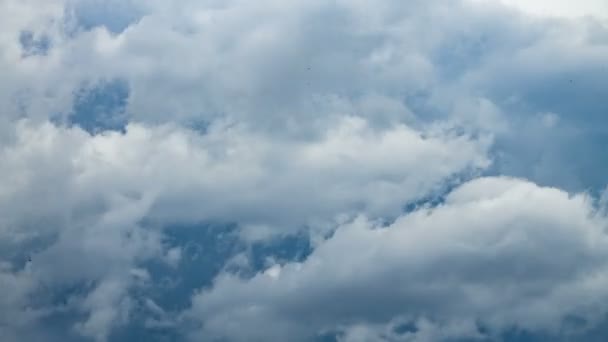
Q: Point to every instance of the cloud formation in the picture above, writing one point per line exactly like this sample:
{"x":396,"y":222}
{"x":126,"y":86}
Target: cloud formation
{"x":499,"y":253}
{"x":169,"y":175}
{"x":345,"y":170}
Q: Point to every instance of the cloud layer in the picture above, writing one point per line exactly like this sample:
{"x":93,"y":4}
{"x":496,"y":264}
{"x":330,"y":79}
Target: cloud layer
{"x":305,"y":170}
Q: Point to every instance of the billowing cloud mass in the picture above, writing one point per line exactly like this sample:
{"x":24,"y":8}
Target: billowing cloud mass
{"x":451,"y":266}
{"x":303,"y":170}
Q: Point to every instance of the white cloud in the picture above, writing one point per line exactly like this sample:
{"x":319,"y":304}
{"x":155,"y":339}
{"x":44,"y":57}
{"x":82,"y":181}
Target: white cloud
{"x":231,"y":174}
{"x":500,"y":252}
{"x":81,"y":198}
{"x":308,"y":113}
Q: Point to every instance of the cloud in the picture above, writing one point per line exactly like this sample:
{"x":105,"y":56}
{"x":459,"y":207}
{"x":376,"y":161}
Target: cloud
{"x":94,"y":234}
{"x":231,"y":174}
{"x":283,"y":69}
{"x":123,"y":122}
{"x":499,"y":253}
{"x":561,"y":8}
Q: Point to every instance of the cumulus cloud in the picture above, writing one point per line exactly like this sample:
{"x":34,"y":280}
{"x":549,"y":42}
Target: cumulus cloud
{"x":230,"y":174}
{"x":499,"y":253}
{"x":124,"y":121}
{"x":289,"y":68}
{"x":82,"y":198}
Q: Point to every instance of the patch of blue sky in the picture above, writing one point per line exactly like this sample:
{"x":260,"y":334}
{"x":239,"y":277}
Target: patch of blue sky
{"x":206,"y":250}
{"x":115,"y":15}
{"x":101,"y":107}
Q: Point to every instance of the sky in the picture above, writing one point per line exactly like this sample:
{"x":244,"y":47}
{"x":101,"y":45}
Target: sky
{"x":316,"y":170}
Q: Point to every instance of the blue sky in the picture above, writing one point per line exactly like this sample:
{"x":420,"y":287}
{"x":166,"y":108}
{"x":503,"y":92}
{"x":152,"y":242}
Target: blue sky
{"x":303,"y":171}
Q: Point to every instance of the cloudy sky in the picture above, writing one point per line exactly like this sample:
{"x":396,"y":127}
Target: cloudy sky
{"x":304,"y":170}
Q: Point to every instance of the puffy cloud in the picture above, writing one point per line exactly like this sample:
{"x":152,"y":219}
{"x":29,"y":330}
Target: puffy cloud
{"x":81,"y":199}
{"x":289,"y":69}
{"x":230,"y":174}
{"x":123,"y":119}
{"x":499,"y":253}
